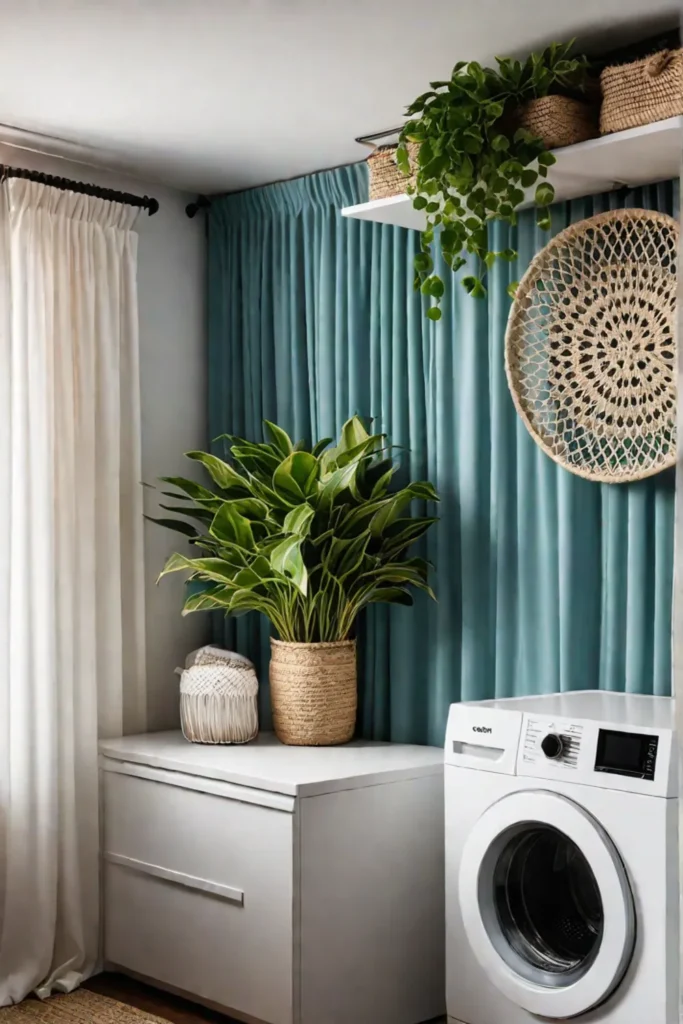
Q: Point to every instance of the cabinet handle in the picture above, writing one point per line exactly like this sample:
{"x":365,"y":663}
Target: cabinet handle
{"x":224,"y":892}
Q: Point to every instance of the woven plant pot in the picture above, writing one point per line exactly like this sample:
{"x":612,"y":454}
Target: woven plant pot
{"x":642,"y":92}
{"x":559,"y":120}
{"x":313,"y":692}
{"x":386,"y":179}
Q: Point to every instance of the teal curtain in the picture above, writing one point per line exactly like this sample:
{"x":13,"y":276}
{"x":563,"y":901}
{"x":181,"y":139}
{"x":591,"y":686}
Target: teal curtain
{"x":545,"y":581}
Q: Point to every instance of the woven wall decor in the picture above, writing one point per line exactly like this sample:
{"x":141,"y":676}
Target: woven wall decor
{"x":590,"y":346}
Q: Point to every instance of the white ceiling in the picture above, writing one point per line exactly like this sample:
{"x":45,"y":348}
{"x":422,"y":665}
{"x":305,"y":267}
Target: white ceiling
{"x":217,"y":95}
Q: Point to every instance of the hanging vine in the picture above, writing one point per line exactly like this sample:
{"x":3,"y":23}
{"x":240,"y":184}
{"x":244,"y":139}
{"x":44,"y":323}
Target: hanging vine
{"x":470,"y":163}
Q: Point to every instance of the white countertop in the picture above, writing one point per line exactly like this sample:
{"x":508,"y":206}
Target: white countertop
{"x":267,"y":764}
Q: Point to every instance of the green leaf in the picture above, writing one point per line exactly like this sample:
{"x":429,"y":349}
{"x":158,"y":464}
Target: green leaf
{"x":286,"y":559}
{"x":509,"y":255}
{"x":512,"y":289}
{"x":426,"y":153}
{"x":339,"y":481}
{"x":434,"y":313}
{"x":380,"y":486}
{"x":490,"y":259}
{"x":516,"y":196}
{"x":232,"y":527}
{"x":221,"y":473}
{"x":402,"y":158}
{"x":208,"y":599}
{"x":543,"y":220}
{"x":193,"y":490}
{"x":547,"y":159}
{"x":296,"y":476}
{"x":174,"y":524}
{"x":495,"y":110}
{"x":279,"y":437}
{"x":469,"y":283}
{"x":353,"y":434}
{"x":544,"y":194}
{"x":528,"y":178}
{"x":500,"y":143}
{"x":320,"y":447}
{"x":433,"y":286}
{"x":423,"y":262}
{"x":202,"y":515}
{"x":298,"y":521}
{"x":420,"y":203}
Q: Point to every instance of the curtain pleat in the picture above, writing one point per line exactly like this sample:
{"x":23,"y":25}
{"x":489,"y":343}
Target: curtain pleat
{"x":545,"y":581}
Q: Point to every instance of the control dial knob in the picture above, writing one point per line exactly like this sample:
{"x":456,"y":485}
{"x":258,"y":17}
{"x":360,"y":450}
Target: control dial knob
{"x":552,"y":745}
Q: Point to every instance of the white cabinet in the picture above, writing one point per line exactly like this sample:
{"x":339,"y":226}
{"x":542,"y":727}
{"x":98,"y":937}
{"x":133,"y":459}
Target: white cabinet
{"x":290,"y":885}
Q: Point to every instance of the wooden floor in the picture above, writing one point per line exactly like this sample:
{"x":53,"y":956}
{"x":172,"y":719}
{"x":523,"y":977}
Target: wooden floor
{"x":152,"y":1000}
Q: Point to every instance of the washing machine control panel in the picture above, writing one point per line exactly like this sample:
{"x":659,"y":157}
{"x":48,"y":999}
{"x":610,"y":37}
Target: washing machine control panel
{"x":596,"y":754}
{"x":555,"y":741}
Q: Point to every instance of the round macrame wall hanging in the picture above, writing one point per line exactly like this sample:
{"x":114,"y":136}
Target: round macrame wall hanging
{"x":590,"y":346}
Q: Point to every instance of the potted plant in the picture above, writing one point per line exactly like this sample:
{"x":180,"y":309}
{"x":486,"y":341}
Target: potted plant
{"x":480,"y":148}
{"x":309,"y":536}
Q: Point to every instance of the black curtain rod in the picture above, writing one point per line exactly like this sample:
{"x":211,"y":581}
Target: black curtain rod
{"x":144,"y":202}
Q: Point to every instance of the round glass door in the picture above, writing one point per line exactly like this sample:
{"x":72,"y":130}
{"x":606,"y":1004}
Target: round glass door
{"x":546,"y":904}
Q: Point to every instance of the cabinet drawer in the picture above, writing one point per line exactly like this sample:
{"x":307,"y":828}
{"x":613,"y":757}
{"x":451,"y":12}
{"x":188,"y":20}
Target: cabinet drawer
{"x":200,"y":834}
{"x":198,"y":893}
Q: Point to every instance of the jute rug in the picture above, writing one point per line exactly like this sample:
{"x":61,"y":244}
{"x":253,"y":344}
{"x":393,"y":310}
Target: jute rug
{"x":81,"y":1007}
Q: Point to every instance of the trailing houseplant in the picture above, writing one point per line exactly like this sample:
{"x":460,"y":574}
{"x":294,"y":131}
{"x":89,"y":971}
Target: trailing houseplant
{"x":309,"y":536}
{"x":474,"y":163}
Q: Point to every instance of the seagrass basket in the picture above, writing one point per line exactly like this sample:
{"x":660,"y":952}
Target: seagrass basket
{"x":642,"y":92}
{"x":559,"y":120}
{"x":590,"y":347}
{"x":313,"y":692}
{"x":386,"y":179}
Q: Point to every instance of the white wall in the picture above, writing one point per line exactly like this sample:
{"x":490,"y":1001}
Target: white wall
{"x":171,"y":291}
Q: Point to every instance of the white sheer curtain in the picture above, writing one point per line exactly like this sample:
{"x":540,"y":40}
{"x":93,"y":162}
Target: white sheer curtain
{"x":71,"y":565}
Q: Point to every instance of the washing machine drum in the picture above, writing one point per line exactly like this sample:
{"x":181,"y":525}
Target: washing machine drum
{"x":546,"y":904}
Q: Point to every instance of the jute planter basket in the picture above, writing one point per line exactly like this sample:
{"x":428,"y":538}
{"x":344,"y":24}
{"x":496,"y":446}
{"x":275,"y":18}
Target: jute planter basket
{"x":642,"y":92}
{"x":386,"y":179}
{"x":559,"y":120}
{"x":313,"y":692}
{"x":590,"y":347}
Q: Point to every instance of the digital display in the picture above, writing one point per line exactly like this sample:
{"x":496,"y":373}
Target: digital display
{"x":626,"y":753}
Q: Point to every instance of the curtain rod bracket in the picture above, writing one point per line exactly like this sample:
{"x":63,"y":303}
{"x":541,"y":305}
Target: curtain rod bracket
{"x":201,"y":203}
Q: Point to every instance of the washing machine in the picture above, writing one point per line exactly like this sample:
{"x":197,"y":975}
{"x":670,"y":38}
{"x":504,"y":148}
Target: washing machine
{"x":562,"y":860}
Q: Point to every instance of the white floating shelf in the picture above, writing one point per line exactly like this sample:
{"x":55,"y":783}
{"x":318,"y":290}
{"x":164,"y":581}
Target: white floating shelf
{"x":635,"y":157}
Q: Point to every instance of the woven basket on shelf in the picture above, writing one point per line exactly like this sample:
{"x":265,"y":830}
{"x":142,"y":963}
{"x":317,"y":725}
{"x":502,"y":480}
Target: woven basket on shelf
{"x":218,"y":697}
{"x":313,"y":692}
{"x":386,"y":179}
{"x":559,"y":120}
{"x":590,"y":348}
{"x":640,"y":93}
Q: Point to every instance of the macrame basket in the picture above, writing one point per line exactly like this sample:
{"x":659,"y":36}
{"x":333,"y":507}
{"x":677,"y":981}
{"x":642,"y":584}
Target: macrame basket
{"x":313,"y":692}
{"x":218,"y":697}
{"x":558,"y":120}
{"x":642,"y":92}
{"x":590,"y":346}
{"x":386,"y":179}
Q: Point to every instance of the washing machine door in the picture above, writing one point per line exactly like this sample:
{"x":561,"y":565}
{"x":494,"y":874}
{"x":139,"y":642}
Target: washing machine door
{"x":546,"y":904}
